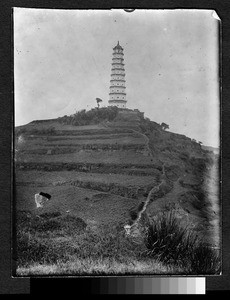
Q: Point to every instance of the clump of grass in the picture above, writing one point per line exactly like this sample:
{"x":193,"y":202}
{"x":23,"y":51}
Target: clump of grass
{"x":170,"y":243}
{"x":205,"y":260}
{"x":133,"y":214}
{"x":166,"y":240}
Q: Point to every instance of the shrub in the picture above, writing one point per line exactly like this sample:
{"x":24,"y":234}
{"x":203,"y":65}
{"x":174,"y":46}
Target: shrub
{"x":184,"y":156}
{"x":133,"y":215}
{"x":167,"y":241}
{"x":205,"y":260}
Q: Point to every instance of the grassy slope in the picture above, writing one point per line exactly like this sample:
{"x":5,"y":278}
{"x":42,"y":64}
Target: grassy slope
{"x":102,"y":208}
{"x":122,"y":157}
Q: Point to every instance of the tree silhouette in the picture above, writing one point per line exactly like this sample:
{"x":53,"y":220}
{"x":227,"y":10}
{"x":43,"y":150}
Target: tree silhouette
{"x":164,"y":126}
{"x":98,"y":102}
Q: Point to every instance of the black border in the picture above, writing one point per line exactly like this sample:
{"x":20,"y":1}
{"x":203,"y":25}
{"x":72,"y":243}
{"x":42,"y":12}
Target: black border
{"x":10,"y":285}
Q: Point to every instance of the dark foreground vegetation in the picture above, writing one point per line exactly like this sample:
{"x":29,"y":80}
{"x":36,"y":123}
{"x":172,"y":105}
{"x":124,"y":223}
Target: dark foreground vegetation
{"x":64,"y":243}
{"x":173,"y":244}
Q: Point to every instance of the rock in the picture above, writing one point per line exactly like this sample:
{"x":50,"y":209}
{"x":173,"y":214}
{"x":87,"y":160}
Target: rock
{"x":41,"y":199}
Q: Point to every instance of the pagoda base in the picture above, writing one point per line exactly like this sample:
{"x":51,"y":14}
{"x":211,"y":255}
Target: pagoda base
{"x":119,"y":104}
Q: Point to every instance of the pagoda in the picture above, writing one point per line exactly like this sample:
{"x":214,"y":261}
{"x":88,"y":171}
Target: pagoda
{"x":117,"y":95}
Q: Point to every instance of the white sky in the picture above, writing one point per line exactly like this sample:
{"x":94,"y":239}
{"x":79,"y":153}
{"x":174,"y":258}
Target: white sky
{"x":62,"y":62}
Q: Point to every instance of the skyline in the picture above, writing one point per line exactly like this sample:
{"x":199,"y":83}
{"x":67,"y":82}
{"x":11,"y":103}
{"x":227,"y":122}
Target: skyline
{"x":63,"y":63}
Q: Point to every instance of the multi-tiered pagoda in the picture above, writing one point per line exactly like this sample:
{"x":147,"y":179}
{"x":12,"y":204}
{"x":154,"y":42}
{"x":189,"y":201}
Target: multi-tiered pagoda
{"x":117,"y":95}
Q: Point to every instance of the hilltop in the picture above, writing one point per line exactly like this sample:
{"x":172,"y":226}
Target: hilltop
{"x":101,"y":165}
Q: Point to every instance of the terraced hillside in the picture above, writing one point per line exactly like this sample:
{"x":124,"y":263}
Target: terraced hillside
{"x":103,"y":173}
{"x":79,"y":164}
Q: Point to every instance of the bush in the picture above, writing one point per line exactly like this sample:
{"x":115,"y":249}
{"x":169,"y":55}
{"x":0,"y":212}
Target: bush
{"x":205,"y":260}
{"x":167,"y":241}
{"x":133,"y":214}
{"x":184,"y":156}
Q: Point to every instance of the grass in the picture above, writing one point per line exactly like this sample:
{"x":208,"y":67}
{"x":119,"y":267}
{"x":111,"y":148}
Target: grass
{"x":170,"y":243}
{"x":63,"y":244}
{"x":56,"y":239}
{"x":97,"y":267}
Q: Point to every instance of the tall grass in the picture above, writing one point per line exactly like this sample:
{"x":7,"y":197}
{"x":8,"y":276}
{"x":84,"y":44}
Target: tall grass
{"x":52,"y":238}
{"x":171,"y":243}
{"x":55,"y":239}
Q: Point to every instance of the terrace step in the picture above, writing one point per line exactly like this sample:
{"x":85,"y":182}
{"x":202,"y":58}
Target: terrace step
{"x":82,"y":137}
{"x":90,"y":167}
{"x":70,"y":148}
{"x":122,"y":185}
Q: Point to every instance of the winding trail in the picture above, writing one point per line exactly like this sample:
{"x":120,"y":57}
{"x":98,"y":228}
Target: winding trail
{"x":133,"y":229}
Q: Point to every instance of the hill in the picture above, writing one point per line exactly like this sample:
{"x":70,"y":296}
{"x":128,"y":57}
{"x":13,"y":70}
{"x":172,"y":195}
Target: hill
{"x":101,"y":166}
{"x":212,"y":149}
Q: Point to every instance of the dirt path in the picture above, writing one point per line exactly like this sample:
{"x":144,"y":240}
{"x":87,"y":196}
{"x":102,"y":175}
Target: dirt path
{"x":133,"y":229}
{"x":151,"y":193}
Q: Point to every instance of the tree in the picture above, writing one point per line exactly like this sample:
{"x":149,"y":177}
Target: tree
{"x":164,"y":126}
{"x":98,"y":102}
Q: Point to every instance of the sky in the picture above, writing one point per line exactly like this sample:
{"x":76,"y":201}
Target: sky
{"x":62,"y":63}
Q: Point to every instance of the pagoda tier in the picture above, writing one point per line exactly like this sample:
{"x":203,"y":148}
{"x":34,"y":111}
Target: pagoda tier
{"x":114,"y":75}
{"x":117,"y":80}
{"x":118,"y":63}
{"x":117,"y":86}
{"x":117,"y":95}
